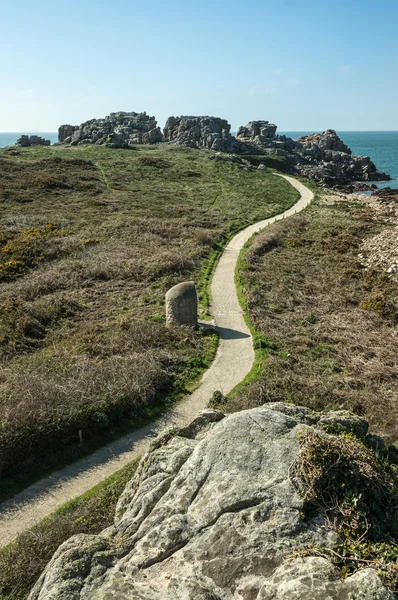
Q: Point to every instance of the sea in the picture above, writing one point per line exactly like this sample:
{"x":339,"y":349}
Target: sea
{"x":9,"y":139}
{"x":381,"y":146}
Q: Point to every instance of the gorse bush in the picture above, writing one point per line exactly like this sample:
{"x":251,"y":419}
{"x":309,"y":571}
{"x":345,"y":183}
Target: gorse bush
{"x":28,"y":248}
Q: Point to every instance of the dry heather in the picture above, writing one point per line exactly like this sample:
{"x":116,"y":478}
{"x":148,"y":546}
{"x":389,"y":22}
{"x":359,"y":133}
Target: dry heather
{"x":90,"y":241}
{"x":327,"y":324}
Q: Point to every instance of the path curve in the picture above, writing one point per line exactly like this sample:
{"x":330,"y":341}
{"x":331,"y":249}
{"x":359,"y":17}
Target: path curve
{"x":233,"y":361}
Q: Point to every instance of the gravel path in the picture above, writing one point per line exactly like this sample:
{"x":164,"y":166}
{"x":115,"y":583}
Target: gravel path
{"x":233,"y":361}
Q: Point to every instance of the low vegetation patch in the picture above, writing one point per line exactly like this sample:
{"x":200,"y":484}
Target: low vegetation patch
{"x":22,"y":180}
{"x":22,"y":562}
{"x":328,"y":322}
{"x":356,"y":491}
{"x":273,"y":161}
{"x":91,"y":240}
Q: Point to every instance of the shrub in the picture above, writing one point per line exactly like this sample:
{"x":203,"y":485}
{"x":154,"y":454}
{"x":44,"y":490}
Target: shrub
{"x":356,"y":490}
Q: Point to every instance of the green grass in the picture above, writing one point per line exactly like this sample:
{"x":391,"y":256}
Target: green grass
{"x":91,"y":239}
{"x":22,"y":561}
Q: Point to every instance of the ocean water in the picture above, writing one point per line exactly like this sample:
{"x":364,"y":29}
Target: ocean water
{"x":381,"y":146}
{"x":9,"y":139}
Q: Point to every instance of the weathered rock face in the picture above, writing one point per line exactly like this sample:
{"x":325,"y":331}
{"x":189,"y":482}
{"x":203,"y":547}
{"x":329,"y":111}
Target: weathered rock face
{"x":210,"y":515}
{"x":118,"y":130}
{"x":324,"y":158}
{"x":201,"y":132}
{"x":66,"y":131}
{"x":328,"y":140}
{"x":321,"y":157}
{"x":25,"y":141}
{"x":257,"y":132}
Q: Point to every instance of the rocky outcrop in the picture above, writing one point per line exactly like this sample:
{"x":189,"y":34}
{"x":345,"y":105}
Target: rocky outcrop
{"x":321,"y":157}
{"x":324,"y":158}
{"x":328,"y":140}
{"x":387,"y":195}
{"x":118,"y":130}
{"x":65,"y":132}
{"x":211,"y":133}
{"x":257,"y":132}
{"x":212,"y":514}
{"x":25,"y":141}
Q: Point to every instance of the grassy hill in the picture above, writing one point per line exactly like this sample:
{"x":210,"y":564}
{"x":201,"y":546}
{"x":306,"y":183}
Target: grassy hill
{"x":91,"y":239}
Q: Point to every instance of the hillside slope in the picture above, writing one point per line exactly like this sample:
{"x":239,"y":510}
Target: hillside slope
{"x":325,"y":308}
{"x":91,"y":239}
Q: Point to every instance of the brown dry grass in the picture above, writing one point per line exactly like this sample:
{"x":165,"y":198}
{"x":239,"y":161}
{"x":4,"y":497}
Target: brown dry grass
{"x":330,"y":325}
{"x":91,"y":239}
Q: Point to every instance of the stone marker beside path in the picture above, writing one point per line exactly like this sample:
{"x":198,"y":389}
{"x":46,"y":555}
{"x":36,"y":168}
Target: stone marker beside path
{"x":182,"y":305}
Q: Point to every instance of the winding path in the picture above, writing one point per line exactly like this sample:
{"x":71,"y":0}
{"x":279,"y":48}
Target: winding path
{"x":232,"y":363}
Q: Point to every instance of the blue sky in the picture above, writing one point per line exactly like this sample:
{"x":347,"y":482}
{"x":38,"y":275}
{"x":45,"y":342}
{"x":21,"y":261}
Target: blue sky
{"x":302,"y":64}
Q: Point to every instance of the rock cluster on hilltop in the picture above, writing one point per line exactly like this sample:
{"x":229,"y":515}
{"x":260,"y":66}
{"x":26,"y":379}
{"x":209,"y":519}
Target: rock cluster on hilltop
{"x":328,"y":140}
{"x":25,"y":141}
{"x":201,"y":132}
{"x":257,"y":132}
{"x":212,"y":514}
{"x":321,"y":157}
{"x":324,"y":158}
{"x":118,"y":130}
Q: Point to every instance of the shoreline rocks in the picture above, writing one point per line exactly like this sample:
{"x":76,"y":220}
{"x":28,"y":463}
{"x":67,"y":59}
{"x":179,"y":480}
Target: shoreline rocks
{"x":381,"y":250}
{"x":26,"y":141}
{"x":212,"y":513}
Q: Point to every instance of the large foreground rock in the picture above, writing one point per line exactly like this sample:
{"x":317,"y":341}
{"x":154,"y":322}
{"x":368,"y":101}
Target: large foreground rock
{"x":118,"y":130}
{"x":210,"y":515}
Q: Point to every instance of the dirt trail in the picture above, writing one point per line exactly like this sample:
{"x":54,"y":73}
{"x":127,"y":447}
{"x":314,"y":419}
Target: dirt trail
{"x":233,"y":361}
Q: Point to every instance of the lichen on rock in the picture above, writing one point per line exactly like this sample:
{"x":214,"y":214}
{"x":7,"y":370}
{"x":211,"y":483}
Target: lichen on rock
{"x":117,"y":130}
{"x":212,"y":513}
